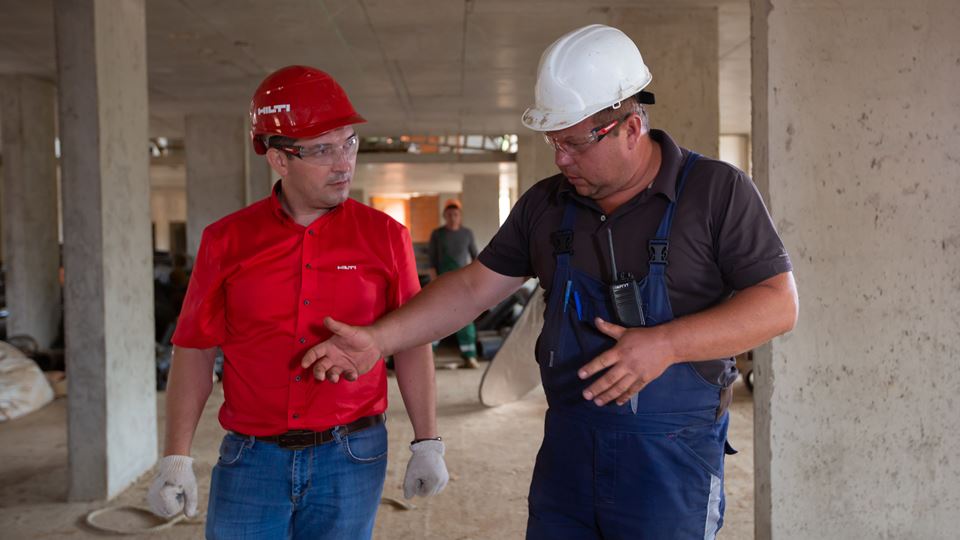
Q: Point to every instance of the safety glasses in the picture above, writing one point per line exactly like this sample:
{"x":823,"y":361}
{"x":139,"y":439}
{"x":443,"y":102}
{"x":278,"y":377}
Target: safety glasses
{"x":322,"y":154}
{"x":573,"y":146}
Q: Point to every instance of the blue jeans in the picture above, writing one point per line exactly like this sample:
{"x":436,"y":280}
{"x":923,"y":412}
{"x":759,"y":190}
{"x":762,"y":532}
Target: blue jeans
{"x":331,"y":491}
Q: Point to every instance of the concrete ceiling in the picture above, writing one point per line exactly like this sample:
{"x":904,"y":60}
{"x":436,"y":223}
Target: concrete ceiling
{"x":417,"y":66}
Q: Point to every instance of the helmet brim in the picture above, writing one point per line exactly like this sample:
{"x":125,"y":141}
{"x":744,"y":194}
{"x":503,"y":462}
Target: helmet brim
{"x":320,"y":129}
{"x":544,"y":120}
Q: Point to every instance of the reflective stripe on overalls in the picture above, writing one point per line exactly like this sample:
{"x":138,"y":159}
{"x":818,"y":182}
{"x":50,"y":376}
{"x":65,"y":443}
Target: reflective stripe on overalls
{"x":653,"y":472}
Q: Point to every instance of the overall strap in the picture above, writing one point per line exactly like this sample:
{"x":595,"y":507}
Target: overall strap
{"x":659,"y":246}
{"x":562,"y":239}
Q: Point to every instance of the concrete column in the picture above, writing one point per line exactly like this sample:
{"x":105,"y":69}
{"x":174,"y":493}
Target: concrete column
{"x":101,"y":68}
{"x":216,"y":171}
{"x":481,"y":206}
{"x":259,"y":178}
{"x":31,"y":249}
{"x":857,"y":136}
{"x":2,"y":233}
{"x":735,"y":150}
{"x":681,"y":48}
{"x":535,"y":160}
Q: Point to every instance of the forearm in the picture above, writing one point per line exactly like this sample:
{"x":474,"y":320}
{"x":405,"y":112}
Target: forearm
{"x":188,"y":388}
{"x":415,"y":377}
{"x":750,"y":318}
{"x":443,"y":307}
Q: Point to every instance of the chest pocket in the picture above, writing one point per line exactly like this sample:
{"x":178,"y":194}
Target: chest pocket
{"x":354,"y":294}
{"x":569,"y":332}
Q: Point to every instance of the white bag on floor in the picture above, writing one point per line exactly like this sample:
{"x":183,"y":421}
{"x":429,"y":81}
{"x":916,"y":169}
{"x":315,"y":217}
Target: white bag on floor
{"x":23,"y":388}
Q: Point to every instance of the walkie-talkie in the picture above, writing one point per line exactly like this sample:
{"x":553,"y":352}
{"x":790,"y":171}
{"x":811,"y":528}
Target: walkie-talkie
{"x":624,"y":293}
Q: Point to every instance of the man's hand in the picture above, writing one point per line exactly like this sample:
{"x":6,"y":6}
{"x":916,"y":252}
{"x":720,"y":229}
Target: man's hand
{"x":426,"y":471}
{"x":639,"y":357}
{"x":174,"y":490}
{"x":349,"y":353}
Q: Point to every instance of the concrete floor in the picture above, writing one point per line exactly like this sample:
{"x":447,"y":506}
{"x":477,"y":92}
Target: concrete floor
{"x":490,"y":454}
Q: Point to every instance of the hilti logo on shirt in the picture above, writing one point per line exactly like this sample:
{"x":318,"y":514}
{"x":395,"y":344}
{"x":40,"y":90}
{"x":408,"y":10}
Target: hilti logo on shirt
{"x":346,"y":267}
{"x":272,"y":109}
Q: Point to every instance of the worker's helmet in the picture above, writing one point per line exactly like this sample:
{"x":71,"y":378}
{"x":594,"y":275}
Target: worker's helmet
{"x":584,"y":72}
{"x":452,"y":203}
{"x":299,"y":102}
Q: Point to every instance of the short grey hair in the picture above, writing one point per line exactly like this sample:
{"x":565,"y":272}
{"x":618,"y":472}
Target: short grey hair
{"x":629,"y":105}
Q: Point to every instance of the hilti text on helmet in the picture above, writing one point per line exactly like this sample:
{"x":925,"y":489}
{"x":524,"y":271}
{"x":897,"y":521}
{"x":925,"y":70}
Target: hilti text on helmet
{"x":273,"y":109}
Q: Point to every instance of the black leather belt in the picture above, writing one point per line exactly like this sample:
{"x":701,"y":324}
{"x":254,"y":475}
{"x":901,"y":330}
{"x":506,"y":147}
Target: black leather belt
{"x":298,"y":439}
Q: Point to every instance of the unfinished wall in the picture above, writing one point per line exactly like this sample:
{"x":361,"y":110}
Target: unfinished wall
{"x":217,"y":179}
{"x":679,"y":45}
{"x":535,"y":160}
{"x":31,"y":249}
{"x":111,"y":366}
{"x":857,"y":135}
{"x":481,"y":206}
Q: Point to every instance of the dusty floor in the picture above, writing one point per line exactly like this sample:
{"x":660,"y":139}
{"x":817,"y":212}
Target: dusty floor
{"x":490,"y":454}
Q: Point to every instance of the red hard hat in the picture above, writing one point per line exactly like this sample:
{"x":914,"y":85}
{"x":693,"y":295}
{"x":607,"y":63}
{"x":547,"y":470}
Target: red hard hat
{"x":299,"y":102}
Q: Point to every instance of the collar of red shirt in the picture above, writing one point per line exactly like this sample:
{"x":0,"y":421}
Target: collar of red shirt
{"x":276,"y":207}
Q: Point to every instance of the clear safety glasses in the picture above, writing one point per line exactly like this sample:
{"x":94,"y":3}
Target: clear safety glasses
{"x":573,"y":146}
{"x":323,"y":154}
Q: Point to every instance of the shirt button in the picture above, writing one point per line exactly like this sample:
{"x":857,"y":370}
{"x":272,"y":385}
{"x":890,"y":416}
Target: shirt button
{"x":308,"y":266}
{"x":603,"y":218}
{"x":310,"y":232}
{"x":295,"y":415}
{"x":297,"y":378}
{"x":306,"y":302}
{"x":303,"y":340}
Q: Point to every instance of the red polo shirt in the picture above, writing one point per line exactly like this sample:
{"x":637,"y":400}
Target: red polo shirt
{"x":260,"y":288}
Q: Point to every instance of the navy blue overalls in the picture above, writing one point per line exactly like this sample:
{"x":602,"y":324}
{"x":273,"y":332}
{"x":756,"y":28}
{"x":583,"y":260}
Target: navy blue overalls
{"x":650,"y":469}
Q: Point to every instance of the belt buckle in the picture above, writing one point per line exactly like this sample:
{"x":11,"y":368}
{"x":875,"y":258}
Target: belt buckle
{"x":293,"y":441}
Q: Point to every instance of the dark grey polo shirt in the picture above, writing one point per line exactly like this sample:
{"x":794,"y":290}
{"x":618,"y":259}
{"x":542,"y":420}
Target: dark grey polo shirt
{"x":722,"y":239}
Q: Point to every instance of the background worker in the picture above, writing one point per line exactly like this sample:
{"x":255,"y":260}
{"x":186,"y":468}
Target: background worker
{"x":636,"y":430}
{"x":452,"y":247}
{"x":302,"y":458}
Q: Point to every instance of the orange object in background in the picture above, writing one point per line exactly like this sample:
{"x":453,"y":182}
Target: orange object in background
{"x":423,"y":217}
{"x":396,"y":207}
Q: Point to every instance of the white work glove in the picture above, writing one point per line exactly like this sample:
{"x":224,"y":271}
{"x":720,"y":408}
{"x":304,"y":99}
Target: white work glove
{"x":426,"y":472}
{"x":174,"y":489}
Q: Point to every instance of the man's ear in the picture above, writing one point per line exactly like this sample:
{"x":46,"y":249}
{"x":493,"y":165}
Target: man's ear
{"x":633,"y":130}
{"x":278,"y":161}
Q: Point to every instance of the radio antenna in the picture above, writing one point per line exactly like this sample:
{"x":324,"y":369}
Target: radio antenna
{"x":613,"y":258}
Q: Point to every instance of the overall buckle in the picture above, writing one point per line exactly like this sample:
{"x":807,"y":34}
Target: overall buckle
{"x":658,"y":251}
{"x":562,"y":241}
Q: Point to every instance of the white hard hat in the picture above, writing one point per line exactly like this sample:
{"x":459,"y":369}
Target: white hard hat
{"x":583,"y":72}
